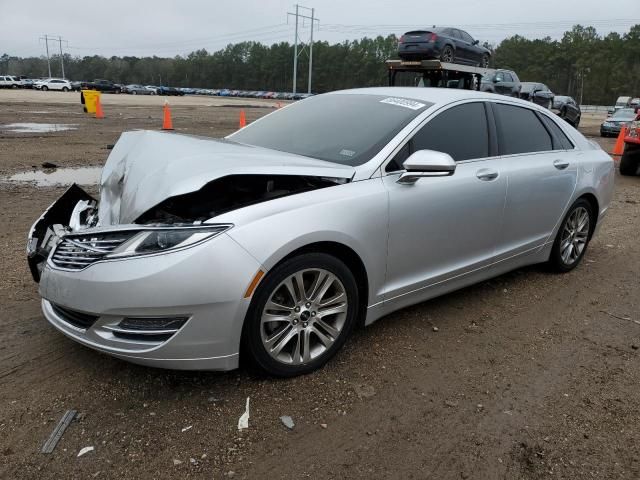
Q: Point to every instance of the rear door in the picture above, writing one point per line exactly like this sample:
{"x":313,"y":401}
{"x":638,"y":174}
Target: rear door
{"x":541,"y":168}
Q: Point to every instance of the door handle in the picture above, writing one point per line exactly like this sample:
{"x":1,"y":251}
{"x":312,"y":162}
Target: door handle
{"x":561,"y":164}
{"x":486,"y":174}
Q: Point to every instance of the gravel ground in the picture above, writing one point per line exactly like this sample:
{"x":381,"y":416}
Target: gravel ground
{"x":530,"y":375}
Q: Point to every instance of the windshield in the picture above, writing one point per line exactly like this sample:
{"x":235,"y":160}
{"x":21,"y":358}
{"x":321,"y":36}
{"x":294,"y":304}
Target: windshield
{"x":624,"y":113}
{"x":349,"y":129}
{"x":527,"y":86}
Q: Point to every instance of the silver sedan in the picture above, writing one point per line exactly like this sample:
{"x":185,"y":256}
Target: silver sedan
{"x":324,"y":215}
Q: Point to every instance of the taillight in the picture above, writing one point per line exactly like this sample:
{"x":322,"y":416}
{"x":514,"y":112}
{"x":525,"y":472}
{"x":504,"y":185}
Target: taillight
{"x":434,"y":37}
{"x":401,"y":39}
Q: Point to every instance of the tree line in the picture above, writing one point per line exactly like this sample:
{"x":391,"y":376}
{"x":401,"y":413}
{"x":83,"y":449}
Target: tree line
{"x":581,"y":64}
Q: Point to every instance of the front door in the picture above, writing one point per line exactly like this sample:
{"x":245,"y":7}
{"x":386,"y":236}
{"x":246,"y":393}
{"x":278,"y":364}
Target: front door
{"x":444,"y":227}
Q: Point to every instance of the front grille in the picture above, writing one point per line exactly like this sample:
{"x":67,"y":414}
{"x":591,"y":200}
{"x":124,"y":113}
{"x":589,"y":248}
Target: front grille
{"x":77,"y":319}
{"x":76,"y":253}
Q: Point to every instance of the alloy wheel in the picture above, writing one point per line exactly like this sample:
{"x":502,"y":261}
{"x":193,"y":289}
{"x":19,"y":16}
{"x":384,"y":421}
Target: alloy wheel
{"x":447,"y":54}
{"x":303,"y":317}
{"x":575,"y":235}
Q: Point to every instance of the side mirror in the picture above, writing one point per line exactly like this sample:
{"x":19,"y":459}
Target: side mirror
{"x":475,"y":42}
{"x":426,"y":163}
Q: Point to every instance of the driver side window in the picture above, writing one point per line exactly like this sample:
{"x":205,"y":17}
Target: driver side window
{"x":460,"y":131}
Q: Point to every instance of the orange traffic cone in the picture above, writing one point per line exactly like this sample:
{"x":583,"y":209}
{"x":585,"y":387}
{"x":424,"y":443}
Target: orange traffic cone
{"x":243,"y":120}
{"x":619,"y":146}
{"x":167,"y":124}
{"x":99,"y":112}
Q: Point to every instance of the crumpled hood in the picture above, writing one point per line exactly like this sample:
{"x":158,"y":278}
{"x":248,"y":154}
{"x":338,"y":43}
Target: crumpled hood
{"x":146,"y":167}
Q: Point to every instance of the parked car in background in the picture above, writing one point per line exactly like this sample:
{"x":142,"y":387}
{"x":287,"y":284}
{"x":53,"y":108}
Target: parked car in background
{"x":135,"y":89}
{"x":621,"y":102}
{"x":53,"y":84}
{"x":538,"y":93}
{"x":170,"y":91}
{"x":613,"y":124}
{"x":104,"y":86}
{"x":504,"y":82}
{"x":179,"y":238}
{"x":567,"y":109}
{"x":8,"y":81}
{"x":635,"y":104}
{"x":446,"y":44}
{"x":76,"y":85}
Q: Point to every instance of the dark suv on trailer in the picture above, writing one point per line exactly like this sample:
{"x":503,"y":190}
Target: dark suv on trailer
{"x":450,"y":45}
{"x":504,"y":82}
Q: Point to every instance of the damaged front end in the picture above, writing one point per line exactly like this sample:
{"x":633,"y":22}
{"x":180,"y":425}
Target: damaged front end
{"x":161,"y":192}
{"x":70,"y":226}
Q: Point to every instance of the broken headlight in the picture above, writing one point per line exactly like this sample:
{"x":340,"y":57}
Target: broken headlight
{"x":158,"y":240}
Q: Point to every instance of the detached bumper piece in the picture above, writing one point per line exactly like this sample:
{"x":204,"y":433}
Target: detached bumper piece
{"x":42,"y":238}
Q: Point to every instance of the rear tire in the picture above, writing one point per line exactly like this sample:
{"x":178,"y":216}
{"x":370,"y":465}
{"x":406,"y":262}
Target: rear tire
{"x":573,"y":237}
{"x":447,"y":54}
{"x":300,"y":315}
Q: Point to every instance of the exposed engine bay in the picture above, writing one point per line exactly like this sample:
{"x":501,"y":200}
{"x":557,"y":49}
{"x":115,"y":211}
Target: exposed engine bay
{"x":230,"y":193}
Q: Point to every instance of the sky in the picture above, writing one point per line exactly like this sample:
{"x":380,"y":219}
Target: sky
{"x":168,"y":28}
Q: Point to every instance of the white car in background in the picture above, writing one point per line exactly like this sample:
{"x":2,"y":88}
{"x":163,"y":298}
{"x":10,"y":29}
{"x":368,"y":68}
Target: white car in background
{"x":53,"y":84}
{"x":7,"y":81}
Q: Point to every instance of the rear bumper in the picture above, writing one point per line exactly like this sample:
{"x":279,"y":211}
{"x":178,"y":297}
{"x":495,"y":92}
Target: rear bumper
{"x":418,"y":50}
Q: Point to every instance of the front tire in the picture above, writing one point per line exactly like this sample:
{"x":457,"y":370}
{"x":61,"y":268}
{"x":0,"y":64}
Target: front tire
{"x":300,"y":315}
{"x":44,"y":88}
{"x":484,"y":62}
{"x":573,"y":237}
{"x":65,"y":89}
{"x":630,"y":161}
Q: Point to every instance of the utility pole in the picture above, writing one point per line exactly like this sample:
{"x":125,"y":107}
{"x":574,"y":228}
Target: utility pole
{"x":61,"y":56}
{"x":297,"y":53}
{"x":311,"y":50}
{"x":46,"y":41}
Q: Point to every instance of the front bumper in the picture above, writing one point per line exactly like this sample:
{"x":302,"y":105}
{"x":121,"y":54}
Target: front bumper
{"x":610,"y":129}
{"x":205,"y":283}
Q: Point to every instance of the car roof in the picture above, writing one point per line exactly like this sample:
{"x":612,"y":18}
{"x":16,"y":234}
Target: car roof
{"x":433,"y":95}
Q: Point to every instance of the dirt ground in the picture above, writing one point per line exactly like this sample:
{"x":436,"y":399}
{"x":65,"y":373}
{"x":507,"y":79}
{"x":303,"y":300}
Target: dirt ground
{"x":530,"y":375}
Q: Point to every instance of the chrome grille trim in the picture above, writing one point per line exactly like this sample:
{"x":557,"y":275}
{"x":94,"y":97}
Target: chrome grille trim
{"x":76,"y":253}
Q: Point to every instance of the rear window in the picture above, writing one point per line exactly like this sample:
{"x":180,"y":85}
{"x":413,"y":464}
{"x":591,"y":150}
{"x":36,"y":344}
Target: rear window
{"x":349,"y":129}
{"x":520,"y":130}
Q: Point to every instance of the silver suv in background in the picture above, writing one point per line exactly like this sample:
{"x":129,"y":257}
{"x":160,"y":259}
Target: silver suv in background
{"x":7,"y":81}
{"x":504,"y":82}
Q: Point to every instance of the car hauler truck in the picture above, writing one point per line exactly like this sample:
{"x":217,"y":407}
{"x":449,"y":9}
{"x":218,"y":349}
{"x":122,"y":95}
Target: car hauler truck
{"x":434,"y":73}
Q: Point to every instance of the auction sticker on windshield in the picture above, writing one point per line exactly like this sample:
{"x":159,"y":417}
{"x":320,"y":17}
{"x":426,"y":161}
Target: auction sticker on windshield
{"x":403,"y":102}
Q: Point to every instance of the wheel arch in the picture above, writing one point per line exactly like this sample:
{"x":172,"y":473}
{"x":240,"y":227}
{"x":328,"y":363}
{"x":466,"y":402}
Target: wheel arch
{"x":593,"y":201}
{"x":349,"y":257}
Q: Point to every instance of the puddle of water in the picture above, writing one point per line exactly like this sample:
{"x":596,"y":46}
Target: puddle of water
{"x":39,"y":127}
{"x":57,"y":176}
